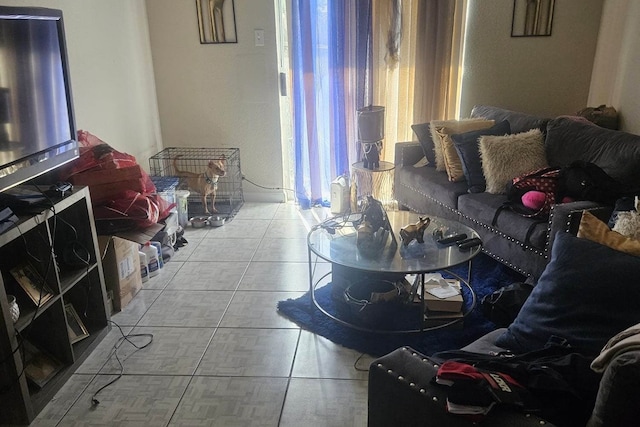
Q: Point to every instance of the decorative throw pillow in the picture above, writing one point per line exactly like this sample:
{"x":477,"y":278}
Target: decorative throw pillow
{"x":587,"y":293}
{"x":597,"y":231}
{"x":506,"y":157}
{"x":628,"y":224}
{"x":466,"y":145}
{"x":442,"y":144}
{"x":423,"y":133}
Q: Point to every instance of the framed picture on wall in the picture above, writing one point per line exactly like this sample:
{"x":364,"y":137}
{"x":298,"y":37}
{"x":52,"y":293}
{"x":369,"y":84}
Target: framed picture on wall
{"x":216,"y":21}
{"x":532,"y":18}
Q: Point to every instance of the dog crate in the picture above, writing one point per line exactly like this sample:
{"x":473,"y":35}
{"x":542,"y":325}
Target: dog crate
{"x":229,"y":196}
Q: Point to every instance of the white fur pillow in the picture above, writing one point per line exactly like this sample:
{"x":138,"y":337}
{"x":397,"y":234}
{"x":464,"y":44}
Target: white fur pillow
{"x":441,"y":131}
{"x":628,"y":224}
{"x":506,"y":157}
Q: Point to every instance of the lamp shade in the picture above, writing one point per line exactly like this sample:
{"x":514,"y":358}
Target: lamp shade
{"x":370,"y":124}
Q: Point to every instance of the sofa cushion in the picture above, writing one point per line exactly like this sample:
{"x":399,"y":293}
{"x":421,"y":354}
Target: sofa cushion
{"x":423,"y":133}
{"x":467,"y":147}
{"x":482,"y":207}
{"x":587,"y":294}
{"x":506,"y":157}
{"x":519,"y":122}
{"x":597,"y":231}
{"x":616,"y":152}
{"x":430,"y":181}
{"x":441,"y":131}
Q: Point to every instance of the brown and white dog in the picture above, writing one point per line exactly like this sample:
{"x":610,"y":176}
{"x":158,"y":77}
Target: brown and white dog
{"x":205,"y":183}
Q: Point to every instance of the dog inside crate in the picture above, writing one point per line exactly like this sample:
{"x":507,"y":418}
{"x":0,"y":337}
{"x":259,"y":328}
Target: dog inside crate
{"x":212,"y":176}
{"x":205,"y":183}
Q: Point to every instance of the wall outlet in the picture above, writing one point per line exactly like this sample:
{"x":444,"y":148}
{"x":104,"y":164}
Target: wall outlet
{"x":258,"y":36}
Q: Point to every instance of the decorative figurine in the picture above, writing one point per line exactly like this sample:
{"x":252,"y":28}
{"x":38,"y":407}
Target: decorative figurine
{"x":414,"y":231}
{"x":373,"y":232}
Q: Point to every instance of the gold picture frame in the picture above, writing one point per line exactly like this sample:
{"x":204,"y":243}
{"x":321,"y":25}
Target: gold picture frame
{"x":75,"y":327}
{"x":532,"y":18}
{"x":216,"y":21}
{"x":32,"y":283}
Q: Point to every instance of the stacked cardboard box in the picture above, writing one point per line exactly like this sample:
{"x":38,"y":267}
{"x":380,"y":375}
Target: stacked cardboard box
{"x":121,"y":267}
{"x":440,"y":311}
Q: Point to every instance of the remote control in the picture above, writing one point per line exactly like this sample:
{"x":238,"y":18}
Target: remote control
{"x":452,"y":239}
{"x":469,"y":243}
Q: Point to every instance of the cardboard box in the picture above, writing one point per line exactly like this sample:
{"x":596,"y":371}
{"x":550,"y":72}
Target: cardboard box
{"x":121,"y":266}
{"x":451,"y":304}
{"x":440,"y":318}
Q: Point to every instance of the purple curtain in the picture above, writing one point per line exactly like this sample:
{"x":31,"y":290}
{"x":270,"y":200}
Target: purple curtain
{"x":320,"y":49}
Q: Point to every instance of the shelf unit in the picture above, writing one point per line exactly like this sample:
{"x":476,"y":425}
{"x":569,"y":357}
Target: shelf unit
{"x":60,"y":244}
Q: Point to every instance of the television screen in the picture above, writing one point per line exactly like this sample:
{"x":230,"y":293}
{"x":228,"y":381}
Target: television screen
{"x":37,"y":128}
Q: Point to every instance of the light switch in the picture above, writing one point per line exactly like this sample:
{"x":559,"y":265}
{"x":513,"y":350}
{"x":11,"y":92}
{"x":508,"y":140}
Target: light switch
{"x":258,"y":35}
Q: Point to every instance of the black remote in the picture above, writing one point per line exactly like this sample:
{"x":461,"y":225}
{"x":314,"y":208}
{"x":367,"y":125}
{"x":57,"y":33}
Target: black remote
{"x":452,"y":239}
{"x":469,"y":243}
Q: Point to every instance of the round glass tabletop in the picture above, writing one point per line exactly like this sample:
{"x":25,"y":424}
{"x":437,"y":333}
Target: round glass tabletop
{"x":334,"y":240}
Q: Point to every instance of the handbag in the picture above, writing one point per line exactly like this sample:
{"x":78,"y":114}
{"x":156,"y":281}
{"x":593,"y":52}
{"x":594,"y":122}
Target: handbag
{"x":502,"y":306}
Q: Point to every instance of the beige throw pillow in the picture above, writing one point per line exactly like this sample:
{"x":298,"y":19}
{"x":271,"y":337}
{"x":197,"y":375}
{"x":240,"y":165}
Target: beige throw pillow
{"x":593,"y":229}
{"x":445,"y":152}
{"x":506,"y":157}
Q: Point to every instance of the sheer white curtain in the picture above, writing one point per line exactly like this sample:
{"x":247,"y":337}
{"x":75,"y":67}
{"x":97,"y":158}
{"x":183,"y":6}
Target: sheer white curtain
{"x":417,"y":61}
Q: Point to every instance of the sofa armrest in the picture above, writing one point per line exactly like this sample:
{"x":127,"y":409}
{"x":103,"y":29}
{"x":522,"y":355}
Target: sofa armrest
{"x":402,"y":393}
{"x":619,"y":390}
{"x":408,"y":153}
{"x":566,"y":216}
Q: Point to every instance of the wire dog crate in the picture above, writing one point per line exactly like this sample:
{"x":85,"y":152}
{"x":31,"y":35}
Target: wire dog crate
{"x":178,"y":162}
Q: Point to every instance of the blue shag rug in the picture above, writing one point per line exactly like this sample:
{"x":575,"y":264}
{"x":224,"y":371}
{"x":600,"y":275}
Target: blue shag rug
{"x":487,"y":276}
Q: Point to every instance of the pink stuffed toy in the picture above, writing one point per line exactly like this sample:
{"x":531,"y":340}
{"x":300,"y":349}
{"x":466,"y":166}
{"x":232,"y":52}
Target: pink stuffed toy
{"x":535,"y":199}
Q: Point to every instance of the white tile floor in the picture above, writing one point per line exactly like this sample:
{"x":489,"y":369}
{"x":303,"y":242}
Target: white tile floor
{"x":221,"y":354}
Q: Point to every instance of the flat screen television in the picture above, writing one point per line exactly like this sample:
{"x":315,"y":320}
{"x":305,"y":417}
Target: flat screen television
{"x":37,"y":124}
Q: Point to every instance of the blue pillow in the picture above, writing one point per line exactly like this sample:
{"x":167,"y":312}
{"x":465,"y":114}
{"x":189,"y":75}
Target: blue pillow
{"x":466,"y":145}
{"x":587,"y":294}
{"x":423,"y":132}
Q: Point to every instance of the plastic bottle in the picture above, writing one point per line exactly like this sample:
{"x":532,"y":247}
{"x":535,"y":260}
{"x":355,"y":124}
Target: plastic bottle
{"x":158,"y":247}
{"x":152,"y":258}
{"x":144,"y":269}
{"x":183,"y":207}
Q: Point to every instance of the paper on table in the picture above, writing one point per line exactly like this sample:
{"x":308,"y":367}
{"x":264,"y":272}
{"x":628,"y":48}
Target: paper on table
{"x":445,"y":290}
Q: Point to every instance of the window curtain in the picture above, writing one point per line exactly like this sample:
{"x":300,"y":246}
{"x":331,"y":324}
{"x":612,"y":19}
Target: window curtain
{"x":330,"y":60}
{"x":417,"y":49}
{"x":346,"y":54}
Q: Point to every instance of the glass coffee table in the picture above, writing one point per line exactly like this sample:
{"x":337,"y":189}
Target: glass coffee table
{"x":334,"y":240}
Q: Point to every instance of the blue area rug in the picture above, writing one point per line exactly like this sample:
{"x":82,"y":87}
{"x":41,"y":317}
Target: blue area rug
{"x":487,"y":276}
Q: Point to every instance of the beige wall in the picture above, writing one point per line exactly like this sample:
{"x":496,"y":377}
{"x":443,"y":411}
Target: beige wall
{"x":111,"y":73}
{"x":616,"y":71}
{"x":540,"y":75}
{"x":220,"y":95}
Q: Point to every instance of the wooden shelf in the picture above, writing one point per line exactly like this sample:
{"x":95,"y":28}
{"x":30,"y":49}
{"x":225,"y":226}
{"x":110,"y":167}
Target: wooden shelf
{"x":43,"y":240}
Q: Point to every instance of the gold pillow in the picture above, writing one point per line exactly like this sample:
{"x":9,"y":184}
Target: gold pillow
{"x":445,"y":152}
{"x":593,"y":229}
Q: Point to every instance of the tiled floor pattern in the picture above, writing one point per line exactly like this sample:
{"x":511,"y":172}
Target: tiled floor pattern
{"x":221,"y":354}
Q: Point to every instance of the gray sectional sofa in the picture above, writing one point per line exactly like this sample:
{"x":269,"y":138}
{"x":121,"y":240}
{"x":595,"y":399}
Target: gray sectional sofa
{"x":521,"y":243}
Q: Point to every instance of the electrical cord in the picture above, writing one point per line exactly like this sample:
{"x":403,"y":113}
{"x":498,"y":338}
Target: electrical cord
{"x":355,"y":364}
{"x":114,"y":352}
{"x":294,"y":192}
